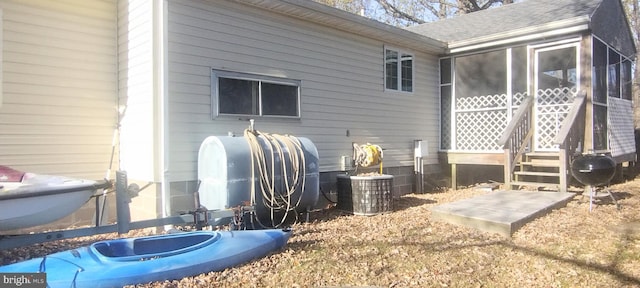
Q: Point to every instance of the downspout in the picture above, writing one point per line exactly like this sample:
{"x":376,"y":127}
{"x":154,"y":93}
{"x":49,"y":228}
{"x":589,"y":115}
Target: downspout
{"x":162,"y":101}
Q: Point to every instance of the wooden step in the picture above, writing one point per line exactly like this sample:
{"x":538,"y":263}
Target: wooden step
{"x":538,"y":169}
{"x":535,"y":184}
{"x":542,"y":154}
{"x":541,"y":163}
{"x":533,"y":173}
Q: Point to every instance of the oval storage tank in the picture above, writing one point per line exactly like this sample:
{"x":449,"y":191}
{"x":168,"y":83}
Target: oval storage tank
{"x":224,"y":169}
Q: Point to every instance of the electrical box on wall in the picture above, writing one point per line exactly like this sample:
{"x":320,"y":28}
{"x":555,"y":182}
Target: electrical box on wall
{"x":421,"y":148}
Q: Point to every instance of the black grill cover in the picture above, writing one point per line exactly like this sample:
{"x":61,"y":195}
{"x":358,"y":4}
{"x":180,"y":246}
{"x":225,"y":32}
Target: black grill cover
{"x":593,"y":169}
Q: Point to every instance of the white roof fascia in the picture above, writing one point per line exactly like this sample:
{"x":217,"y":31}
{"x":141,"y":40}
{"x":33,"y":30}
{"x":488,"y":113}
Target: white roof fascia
{"x":557,"y":28}
{"x":338,"y":19}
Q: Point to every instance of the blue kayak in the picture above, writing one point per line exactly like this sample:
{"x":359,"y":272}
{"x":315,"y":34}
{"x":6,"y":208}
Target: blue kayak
{"x":129,"y":261}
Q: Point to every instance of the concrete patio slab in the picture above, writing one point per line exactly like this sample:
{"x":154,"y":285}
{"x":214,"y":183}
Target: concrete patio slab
{"x":501,"y":212}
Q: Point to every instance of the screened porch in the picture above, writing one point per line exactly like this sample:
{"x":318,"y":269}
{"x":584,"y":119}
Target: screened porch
{"x":512,"y":106}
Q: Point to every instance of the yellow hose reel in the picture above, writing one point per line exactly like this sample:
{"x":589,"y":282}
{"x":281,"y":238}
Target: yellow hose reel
{"x":367,"y":155}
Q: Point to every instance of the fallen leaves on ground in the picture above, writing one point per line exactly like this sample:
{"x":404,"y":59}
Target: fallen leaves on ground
{"x":569,"y":247}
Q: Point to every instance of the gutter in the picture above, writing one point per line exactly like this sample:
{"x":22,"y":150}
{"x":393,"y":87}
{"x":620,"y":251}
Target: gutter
{"x":318,"y":13}
{"x":557,"y":28}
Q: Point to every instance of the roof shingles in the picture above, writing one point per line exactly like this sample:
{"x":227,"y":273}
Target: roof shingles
{"x":506,"y":18}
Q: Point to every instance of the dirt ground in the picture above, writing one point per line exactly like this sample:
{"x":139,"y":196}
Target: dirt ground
{"x":569,"y":247}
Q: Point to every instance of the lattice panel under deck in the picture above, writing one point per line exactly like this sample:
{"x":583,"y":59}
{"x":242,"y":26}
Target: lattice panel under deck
{"x":552,"y":106}
{"x":548,"y":127}
{"x":480,"y":130}
{"x":481,"y":102}
{"x":563,"y":95}
{"x":518,"y":98}
{"x":479,"y":121}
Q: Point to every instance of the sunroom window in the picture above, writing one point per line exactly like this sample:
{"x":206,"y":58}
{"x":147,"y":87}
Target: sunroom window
{"x":626,"y":76}
{"x":398,"y":70}
{"x":254,"y":95}
{"x":614,"y":74}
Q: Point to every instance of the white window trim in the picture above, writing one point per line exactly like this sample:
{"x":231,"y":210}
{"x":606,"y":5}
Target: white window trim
{"x":622,"y":59}
{"x":450,"y":84}
{"x":215,"y":74}
{"x":413,"y":69}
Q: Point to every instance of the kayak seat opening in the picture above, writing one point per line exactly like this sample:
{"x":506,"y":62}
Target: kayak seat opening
{"x":152,"y":245}
{"x":115,"y":249}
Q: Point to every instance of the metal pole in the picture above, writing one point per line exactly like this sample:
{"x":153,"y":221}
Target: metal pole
{"x":418,"y":166}
{"x":122,"y":202}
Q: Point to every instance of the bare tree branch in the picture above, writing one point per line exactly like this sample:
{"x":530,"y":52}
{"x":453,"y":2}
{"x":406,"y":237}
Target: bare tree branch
{"x":407,"y":12}
{"x":393,"y":10}
{"x":469,"y":6}
{"x":432,"y":8}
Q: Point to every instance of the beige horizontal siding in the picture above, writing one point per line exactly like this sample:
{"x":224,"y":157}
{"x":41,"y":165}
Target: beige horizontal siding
{"x":342,"y":84}
{"x":136,"y":93}
{"x":59,"y":86}
{"x":621,"y":130}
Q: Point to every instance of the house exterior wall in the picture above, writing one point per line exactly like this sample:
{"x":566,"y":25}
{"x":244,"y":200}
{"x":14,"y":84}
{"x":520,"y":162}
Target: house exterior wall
{"x":139,"y":102}
{"x":621,"y":131}
{"x":609,"y":24}
{"x":586,"y":85}
{"x":59,"y":82}
{"x":59,"y":86}
{"x":136,"y":91}
{"x":342,"y":93}
{"x":620,"y":126}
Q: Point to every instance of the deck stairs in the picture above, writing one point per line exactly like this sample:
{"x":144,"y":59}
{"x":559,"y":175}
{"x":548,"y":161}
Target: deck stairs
{"x":537,"y":170}
{"x":526,"y":166}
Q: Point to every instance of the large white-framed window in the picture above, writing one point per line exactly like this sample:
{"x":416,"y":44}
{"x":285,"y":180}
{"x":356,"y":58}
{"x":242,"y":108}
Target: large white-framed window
{"x":398,"y":70}
{"x":244,"y":94}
